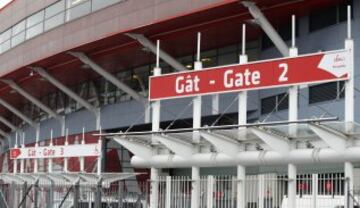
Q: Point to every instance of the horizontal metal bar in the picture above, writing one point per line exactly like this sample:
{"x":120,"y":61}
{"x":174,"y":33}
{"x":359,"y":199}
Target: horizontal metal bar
{"x":207,"y":128}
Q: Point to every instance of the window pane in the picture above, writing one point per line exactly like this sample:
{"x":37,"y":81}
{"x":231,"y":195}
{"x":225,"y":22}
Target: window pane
{"x":20,"y":27}
{"x":5,"y":46}
{"x":283,"y":101}
{"x":34,"y":19}
{"x":99,"y":4}
{"x":55,"y":9}
{"x":79,"y":10}
{"x":322,"y":92}
{"x":17,"y":39}
{"x":5,"y":36}
{"x":268,"y":104}
{"x":34,"y":30}
{"x":55,"y":21}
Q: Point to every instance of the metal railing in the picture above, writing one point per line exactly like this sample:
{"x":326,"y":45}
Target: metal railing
{"x":262,"y":191}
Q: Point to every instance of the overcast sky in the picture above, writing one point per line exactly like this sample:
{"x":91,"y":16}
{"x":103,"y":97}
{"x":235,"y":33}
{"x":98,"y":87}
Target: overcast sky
{"x":4,"y":2}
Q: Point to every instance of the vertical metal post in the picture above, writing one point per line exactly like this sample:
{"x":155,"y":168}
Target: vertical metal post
{"x":98,"y":202}
{"x":168,"y":192}
{"x":76,"y":194}
{"x":99,"y":160}
{"x":349,"y":108}
{"x":292,"y":186}
{"x":82,"y":159}
{"x":50,"y":165}
{"x":66,"y":161}
{"x":36,"y":160}
{"x":314,"y":190}
{"x":293,"y":116}
{"x":210,"y":191}
{"x":120,"y":194}
{"x":51,"y":195}
{"x":15,"y":160}
{"x":195,"y":171}
{"x":22,"y":161}
{"x":154,"y":176}
{"x":242,"y":120}
{"x":261,"y":190}
{"x":349,"y":184}
{"x":36,"y":193}
{"x":24,"y":190}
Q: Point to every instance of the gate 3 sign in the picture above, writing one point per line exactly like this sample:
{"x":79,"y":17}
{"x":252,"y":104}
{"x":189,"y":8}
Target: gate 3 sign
{"x":313,"y":68}
{"x":78,"y":150}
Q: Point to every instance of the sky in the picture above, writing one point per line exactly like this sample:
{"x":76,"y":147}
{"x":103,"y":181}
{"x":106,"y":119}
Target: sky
{"x":4,"y":2}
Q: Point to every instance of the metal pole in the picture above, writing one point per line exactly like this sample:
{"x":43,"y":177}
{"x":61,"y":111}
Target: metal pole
{"x":154,"y":175}
{"x":168,"y":192}
{"x":314,"y":190}
{"x":242,"y":120}
{"x":76,"y":194}
{"x":210,"y":191}
{"x":82,"y":159}
{"x":15,"y":160}
{"x":98,"y":202}
{"x":195,"y":171}
{"x":349,"y":183}
{"x":24,"y":194}
{"x":99,"y":162}
{"x":66,"y":161}
{"x":292,"y":186}
{"x":36,"y":193}
{"x":50,"y":167}
{"x":22,"y":161}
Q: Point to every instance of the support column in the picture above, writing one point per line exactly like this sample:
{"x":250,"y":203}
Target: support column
{"x":36,"y":160}
{"x":314,"y":190}
{"x":292,"y":186}
{"x":66,"y":160}
{"x":50,"y":160}
{"x":241,"y":191}
{"x":15,"y":161}
{"x":154,"y":189}
{"x":242,"y":120}
{"x":349,"y":109}
{"x":349,"y":184}
{"x":154,"y":175}
{"x":82,"y":159}
{"x":195,"y":171}
{"x":99,"y":162}
{"x":168,"y":192}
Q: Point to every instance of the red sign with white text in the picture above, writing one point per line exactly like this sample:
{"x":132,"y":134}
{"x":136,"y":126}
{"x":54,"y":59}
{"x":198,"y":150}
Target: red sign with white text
{"x":313,"y":68}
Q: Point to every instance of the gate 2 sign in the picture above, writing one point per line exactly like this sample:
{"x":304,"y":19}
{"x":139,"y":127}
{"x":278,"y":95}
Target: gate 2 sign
{"x":308,"y":69}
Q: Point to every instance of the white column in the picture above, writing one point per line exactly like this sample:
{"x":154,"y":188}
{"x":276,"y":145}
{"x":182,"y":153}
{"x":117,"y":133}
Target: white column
{"x":215,"y":104}
{"x":349,"y":108}
{"x":154,"y":192}
{"x":349,"y":184}
{"x":82,"y":159}
{"x":36,"y":161}
{"x":168,"y":192}
{"x":293,"y":116}
{"x":242,"y":120}
{"x":210,"y":191}
{"x":99,"y":160}
{"x":292,"y":186}
{"x":66,"y":161}
{"x":15,"y":160}
{"x":241,"y":191}
{"x":314,"y":190}
{"x":195,"y":171}
{"x":261,"y":190}
{"x":22,"y":161}
{"x":155,"y":106}
{"x":50,"y":164}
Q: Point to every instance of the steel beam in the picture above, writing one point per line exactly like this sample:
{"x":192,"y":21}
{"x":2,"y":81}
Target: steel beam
{"x":65,"y":89}
{"x":111,"y":78}
{"x":176,"y":145}
{"x":31,"y":98}
{"x":163,"y":55}
{"x":335,"y":139}
{"x":18,"y":113}
{"x":222,"y":144}
{"x":276,"y":142}
{"x":4,"y":134}
{"x":139,"y":149}
{"x":267,"y":27}
{"x":8,"y":123}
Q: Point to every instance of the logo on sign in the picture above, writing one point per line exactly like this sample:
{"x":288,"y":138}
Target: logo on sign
{"x":14,"y":153}
{"x":335,"y":64}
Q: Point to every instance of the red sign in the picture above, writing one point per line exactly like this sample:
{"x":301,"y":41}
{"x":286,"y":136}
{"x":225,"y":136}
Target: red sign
{"x":313,"y":68}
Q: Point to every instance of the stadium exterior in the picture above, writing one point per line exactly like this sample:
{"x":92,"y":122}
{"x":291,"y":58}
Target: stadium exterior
{"x":73,"y":69}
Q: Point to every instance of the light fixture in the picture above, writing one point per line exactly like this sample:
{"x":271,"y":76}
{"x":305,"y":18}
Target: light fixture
{"x":206,"y":59}
{"x":31,"y":73}
{"x":189,"y":66}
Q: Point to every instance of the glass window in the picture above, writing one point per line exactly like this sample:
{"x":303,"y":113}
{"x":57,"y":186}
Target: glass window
{"x":55,"y":9}
{"x":34,"y":30}
{"x":99,"y":4}
{"x":5,"y":46}
{"x":20,"y":27}
{"x":268,"y":104}
{"x":35,"y":19}
{"x":77,"y":9}
{"x":326,"y":92}
{"x":55,"y":21}
{"x":5,"y":35}
{"x":282,"y":101}
{"x":17,"y":39}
